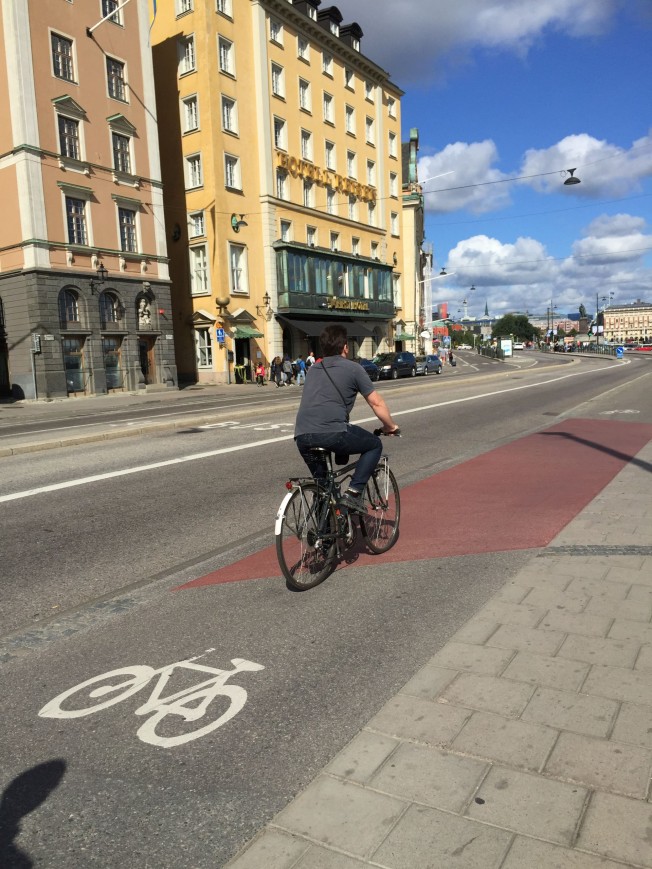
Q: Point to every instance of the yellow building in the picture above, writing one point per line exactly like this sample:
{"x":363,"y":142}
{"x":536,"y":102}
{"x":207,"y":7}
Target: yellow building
{"x":628,"y":322}
{"x":281,"y":155}
{"x":84,"y":284}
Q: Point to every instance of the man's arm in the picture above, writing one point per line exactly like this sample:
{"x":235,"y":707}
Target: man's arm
{"x":377,"y":403}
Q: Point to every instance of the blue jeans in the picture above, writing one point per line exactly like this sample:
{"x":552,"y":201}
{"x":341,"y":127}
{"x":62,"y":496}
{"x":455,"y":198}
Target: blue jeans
{"x":354,"y":440}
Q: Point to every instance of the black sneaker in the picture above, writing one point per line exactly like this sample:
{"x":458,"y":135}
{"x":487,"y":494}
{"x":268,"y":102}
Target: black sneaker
{"x":353,"y":501}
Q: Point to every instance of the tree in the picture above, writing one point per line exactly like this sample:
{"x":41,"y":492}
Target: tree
{"x":517,"y":325}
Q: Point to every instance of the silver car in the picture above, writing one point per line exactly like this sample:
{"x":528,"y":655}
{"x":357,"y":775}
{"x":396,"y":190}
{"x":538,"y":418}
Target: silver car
{"x":430,"y":364}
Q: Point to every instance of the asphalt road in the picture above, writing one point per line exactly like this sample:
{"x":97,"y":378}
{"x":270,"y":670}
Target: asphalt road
{"x":87,"y":576}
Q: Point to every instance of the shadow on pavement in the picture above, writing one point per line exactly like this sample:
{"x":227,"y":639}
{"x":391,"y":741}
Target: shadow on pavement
{"x":21,"y":796}
{"x":625,"y":457}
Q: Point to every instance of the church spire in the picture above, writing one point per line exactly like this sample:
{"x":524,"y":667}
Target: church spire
{"x":486,"y":308}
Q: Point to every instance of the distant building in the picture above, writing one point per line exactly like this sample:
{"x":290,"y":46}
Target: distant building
{"x":84,"y":285}
{"x":631,"y":322}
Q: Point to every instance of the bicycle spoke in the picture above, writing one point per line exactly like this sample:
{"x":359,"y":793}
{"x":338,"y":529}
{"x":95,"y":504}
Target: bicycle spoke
{"x":305,"y":544}
{"x":380,"y":522}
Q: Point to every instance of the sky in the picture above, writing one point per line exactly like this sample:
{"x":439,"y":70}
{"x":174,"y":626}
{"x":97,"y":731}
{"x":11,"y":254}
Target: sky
{"x":507,"y":96}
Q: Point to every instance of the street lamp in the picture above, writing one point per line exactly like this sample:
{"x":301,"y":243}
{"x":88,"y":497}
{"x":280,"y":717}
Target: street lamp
{"x":102,"y":275}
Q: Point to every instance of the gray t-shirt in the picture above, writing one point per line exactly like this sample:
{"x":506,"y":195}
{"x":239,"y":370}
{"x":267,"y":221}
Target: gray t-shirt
{"x":321,"y":409}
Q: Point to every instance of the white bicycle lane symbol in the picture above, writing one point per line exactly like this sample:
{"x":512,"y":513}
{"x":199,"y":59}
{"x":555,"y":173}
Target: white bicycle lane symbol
{"x":190,"y":704}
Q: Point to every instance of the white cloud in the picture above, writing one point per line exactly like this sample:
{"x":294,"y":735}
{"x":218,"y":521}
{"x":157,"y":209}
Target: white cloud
{"x":471,"y":166}
{"x":416,"y":41}
{"x":520,"y":275}
{"x":604,"y":169}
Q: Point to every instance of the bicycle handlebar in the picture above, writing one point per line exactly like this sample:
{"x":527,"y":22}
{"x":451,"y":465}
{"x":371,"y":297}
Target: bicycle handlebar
{"x":387,"y":434}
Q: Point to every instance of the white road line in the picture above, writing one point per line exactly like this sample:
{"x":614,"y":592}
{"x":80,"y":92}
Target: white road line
{"x":96,"y":478}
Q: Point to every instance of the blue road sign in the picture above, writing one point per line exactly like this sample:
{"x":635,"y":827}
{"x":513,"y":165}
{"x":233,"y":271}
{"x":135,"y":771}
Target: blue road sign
{"x":220,"y":336}
{"x":620,"y":352}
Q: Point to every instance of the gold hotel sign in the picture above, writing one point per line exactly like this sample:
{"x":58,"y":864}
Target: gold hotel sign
{"x":325,"y":177}
{"x":335,"y":303}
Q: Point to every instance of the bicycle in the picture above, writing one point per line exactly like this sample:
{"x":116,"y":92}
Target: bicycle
{"x":189,"y":704}
{"x":313,"y":531}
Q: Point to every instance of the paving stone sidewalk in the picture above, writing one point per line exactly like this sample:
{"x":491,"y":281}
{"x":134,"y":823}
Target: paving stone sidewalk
{"x":525,"y":742}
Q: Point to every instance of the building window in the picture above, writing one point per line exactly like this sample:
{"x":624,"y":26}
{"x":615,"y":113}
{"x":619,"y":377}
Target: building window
{"x":393,"y":223}
{"x":127,"y":221}
{"x":115,"y":78}
{"x":330,"y":201}
{"x":391,"y":107}
{"x":330,"y":155}
{"x":196,"y":224}
{"x":224,"y":7}
{"x":371,"y":173}
{"x":306,"y":145}
{"x":111,"y":345}
{"x":232,"y":172}
{"x":393,"y":184}
{"x":68,"y":306}
{"x":184,"y":6}
{"x":226,"y":55}
{"x":190,"y":114}
{"x":392,"y":144}
{"x":349,"y":119}
{"x":280,"y":134}
{"x":76,"y":220}
{"x":303,"y":48}
{"x":398,"y":295}
{"x":308,"y":197}
{"x":278,"y":83}
{"x":199,"y":283}
{"x":328,"y":108}
{"x":312,"y":12}
{"x":62,"y":60}
{"x":370,"y":131}
{"x":353,"y":208}
{"x":286,"y":230}
{"x":355,"y":246}
{"x":335,"y":241}
{"x":351,"y":164}
{"x":335,"y":28}
{"x":110,"y":309}
{"x":304,"y":95}
{"x":121,"y":153}
{"x":374,"y":249}
{"x":68,"y":137}
{"x":186,"y":55}
{"x":311,"y":235}
{"x":204,"y":348}
{"x":108,"y":7}
{"x":368,"y":91}
{"x":349,"y":78}
{"x":229,"y":115}
{"x":276,"y":31}
{"x":371,"y":216}
{"x":194,"y":174}
{"x":355,"y":44}
{"x":281,"y":184}
{"x":238,"y":269}
{"x":327,"y":63}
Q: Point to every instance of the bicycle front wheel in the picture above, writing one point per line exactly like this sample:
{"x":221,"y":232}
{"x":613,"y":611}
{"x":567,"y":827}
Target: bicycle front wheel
{"x":305,"y":537}
{"x":383,"y":502}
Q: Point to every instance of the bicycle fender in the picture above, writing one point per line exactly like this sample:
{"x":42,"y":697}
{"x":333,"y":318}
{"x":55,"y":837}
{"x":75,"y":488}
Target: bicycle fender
{"x":281,"y":512}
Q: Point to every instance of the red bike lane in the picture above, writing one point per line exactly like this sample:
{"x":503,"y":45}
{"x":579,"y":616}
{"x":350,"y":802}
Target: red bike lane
{"x":517,"y":496}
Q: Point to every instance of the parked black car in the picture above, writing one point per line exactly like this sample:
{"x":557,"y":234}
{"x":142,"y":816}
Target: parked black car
{"x":427,"y":364}
{"x":395,"y":365}
{"x":370,"y":367}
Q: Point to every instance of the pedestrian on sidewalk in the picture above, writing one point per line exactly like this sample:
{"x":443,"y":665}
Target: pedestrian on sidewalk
{"x":260,"y":374}
{"x":287,"y":369}
{"x":276,"y":371}
{"x":300,"y":367}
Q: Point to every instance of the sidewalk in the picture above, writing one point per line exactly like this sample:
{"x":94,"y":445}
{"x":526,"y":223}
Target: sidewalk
{"x":525,"y":742}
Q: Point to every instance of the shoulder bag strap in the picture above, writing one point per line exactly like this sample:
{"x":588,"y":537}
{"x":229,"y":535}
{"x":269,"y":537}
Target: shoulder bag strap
{"x":339,"y":391}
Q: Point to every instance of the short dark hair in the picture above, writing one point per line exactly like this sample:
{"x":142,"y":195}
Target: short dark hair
{"x":333,"y":340}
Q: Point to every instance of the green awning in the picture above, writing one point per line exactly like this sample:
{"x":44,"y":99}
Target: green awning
{"x":246,"y":332}
{"x":403,"y":336}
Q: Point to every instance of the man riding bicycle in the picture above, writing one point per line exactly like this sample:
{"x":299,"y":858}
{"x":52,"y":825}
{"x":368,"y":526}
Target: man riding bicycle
{"x":330,"y":390}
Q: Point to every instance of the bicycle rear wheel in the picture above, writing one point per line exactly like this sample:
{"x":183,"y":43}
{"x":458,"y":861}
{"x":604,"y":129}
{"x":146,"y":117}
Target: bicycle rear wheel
{"x":383,"y":502}
{"x":305,"y":538}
